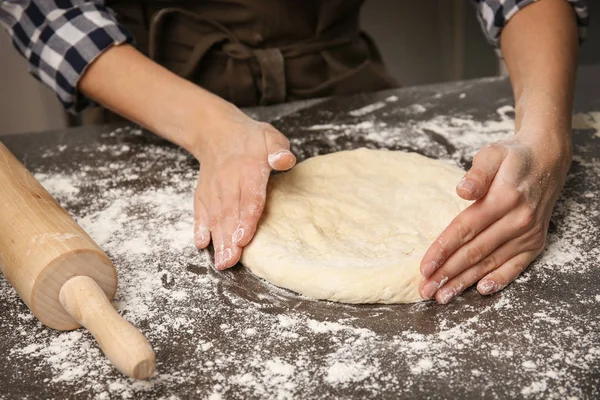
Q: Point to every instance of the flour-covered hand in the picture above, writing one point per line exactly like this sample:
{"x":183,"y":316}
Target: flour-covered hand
{"x":236,"y":159}
{"x":515,"y":185}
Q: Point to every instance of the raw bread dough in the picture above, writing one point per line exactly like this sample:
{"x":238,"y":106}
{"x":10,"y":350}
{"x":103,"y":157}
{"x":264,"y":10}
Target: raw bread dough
{"x":353,"y":226}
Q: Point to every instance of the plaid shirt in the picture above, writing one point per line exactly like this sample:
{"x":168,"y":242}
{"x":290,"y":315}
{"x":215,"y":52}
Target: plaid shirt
{"x":60,"y":38}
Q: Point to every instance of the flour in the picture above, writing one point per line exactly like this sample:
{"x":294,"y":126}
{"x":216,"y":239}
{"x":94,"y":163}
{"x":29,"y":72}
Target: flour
{"x":40,"y":240}
{"x":341,"y":373}
{"x":424,"y":364}
{"x":58,"y":185}
{"x":451,"y":137}
{"x":367,"y":109}
{"x":226,"y":335}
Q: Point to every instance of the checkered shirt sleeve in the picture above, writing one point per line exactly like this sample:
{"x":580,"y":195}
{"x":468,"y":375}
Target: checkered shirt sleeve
{"x":60,"y":38}
{"x":493,"y":15}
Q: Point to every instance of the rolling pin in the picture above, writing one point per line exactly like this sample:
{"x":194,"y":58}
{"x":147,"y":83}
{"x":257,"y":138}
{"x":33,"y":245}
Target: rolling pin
{"x":64,"y":278}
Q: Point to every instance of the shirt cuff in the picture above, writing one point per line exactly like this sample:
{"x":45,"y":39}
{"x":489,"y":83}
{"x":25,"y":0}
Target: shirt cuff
{"x":68,"y":42}
{"x":493,"y":15}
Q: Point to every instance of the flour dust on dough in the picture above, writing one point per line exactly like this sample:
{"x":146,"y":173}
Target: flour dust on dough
{"x":353,"y":226}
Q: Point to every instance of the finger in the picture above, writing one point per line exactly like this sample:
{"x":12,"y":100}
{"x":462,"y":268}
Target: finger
{"x":465,"y":227}
{"x":253,"y":197}
{"x":504,"y":275}
{"x":230,"y":253}
{"x":201,"y":228}
{"x":217,"y":235}
{"x":201,"y":223}
{"x":227,"y":254}
{"x":491,"y":238}
{"x":468,"y":277}
{"x":278,"y":147}
{"x":224,"y":223}
{"x":476,"y":182}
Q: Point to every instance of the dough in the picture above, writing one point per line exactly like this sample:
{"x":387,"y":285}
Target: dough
{"x":353,"y":226}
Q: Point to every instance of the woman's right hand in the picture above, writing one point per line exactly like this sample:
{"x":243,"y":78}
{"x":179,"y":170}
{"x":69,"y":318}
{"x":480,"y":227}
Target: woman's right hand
{"x":236,"y":155}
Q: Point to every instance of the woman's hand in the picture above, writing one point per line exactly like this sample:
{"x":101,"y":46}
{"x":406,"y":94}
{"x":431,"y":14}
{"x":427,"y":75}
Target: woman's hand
{"x":515,"y":184}
{"x":236,"y":155}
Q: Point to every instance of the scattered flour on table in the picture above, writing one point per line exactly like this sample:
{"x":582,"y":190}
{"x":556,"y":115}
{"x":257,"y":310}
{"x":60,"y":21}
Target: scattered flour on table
{"x":57,"y":184}
{"x":340,"y":373}
{"x":367,"y":109}
{"x":465,"y":134}
{"x":168,"y":289}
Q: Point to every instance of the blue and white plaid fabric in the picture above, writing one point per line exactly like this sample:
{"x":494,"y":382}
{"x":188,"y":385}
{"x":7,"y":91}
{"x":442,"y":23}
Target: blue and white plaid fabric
{"x":60,"y":38}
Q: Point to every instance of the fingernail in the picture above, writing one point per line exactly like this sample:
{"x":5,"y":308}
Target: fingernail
{"x":227,"y":254}
{"x":447,"y":295}
{"x":199,"y":239}
{"x":218,"y":259}
{"x":200,"y":236}
{"x":430,"y":289}
{"x":467,"y":185}
{"x":273,"y":158}
{"x":429,"y":268}
{"x":443,"y":282}
{"x":238,"y":235}
{"x":486,"y":287}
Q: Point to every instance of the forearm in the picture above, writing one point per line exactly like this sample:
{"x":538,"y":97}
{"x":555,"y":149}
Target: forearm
{"x":540,"y":45}
{"x":128,"y":83}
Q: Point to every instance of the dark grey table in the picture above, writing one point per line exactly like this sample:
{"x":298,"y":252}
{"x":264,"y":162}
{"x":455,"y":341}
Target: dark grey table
{"x":230,"y":335}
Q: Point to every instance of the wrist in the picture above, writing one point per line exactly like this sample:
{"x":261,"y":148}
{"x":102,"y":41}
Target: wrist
{"x":545,"y":117}
{"x":198,"y":118}
{"x":551,"y":148}
{"x":130,"y":84}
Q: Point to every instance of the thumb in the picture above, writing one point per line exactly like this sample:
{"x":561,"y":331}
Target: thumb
{"x":278,"y":147}
{"x":476,"y":182}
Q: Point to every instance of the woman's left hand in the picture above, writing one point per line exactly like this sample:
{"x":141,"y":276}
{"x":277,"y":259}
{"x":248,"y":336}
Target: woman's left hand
{"x":515,"y":184}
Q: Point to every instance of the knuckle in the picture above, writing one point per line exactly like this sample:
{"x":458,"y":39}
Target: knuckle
{"x":482,"y":154}
{"x":495,"y":146}
{"x":478,"y":175}
{"x":518,"y":269}
{"x":259,"y":202}
{"x":254,"y":208}
{"x":442,"y":252}
{"x":200,"y":220}
{"x":199,"y":210}
{"x":489,"y":263}
{"x":257,"y":197}
{"x":539,"y":243}
{"x":229,"y":213}
{"x":213,"y":219}
{"x":473,"y":255}
{"x":269,"y":129}
{"x":267,"y":126}
{"x":264,"y":127}
{"x":526,"y":218}
{"x":487,"y":151}
{"x":466,"y":231}
{"x":512,"y":197}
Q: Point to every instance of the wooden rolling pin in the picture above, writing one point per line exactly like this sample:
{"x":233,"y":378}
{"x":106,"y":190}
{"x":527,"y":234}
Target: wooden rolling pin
{"x":59,"y":272}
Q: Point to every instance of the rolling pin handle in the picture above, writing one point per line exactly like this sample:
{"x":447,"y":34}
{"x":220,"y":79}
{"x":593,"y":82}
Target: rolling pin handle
{"x":120,"y":341}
